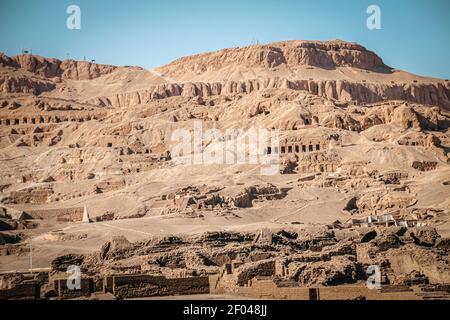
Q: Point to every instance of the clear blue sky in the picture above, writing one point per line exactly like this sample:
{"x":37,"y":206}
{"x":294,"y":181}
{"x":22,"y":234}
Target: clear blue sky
{"x":414,"y":35}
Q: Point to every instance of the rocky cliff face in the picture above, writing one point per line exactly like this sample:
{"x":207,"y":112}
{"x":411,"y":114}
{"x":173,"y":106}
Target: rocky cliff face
{"x":360,"y":75}
{"x":24,"y":84}
{"x":50,"y":68}
{"x":426,"y":93}
{"x":328,"y":55}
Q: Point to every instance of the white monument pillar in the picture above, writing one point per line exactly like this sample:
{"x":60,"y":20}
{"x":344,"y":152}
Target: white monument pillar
{"x":86,"y":216}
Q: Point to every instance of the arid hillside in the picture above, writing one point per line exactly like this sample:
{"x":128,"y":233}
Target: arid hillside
{"x":361,"y":145}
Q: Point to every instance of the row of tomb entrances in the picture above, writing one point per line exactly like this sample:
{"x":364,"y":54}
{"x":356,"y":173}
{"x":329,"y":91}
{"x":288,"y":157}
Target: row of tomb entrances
{"x":45,"y":119}
{"x":295,"y":149}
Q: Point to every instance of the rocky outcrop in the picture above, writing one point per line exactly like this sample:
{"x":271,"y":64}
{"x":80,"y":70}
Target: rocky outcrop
{"x":338,"y":270}
{"x":50,"y":68}
{"x":23,"y":84}
{"x":82,"y":70}
{"x":46,"y":73}
{"x":401,"y":114}
{"x":409,"y":258}
{"x":117,"y":246}
{"x":437,"y":94}
{"x":327,"y":54}
{"x":6,"y":61}
{"x":253,"y":269}
{"x":46,"y":67}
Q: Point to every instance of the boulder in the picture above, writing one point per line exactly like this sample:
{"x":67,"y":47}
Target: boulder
{"x":115,"y":247}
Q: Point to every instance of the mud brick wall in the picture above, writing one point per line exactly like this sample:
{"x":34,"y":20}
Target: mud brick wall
{"x":267,"y":289}
{"x":61,"y":215}
{"x":108,"y":284}
{"x":139,"y":286}
{"x":352,"y":292}
{"x":28,"y":291}
{"x":86,"y":288}
{"x":33,"y":196}
{"x":251,"y":270}
{"x":197,"y":285}
{"x":98,"y":284}
{"x":135,"y":286}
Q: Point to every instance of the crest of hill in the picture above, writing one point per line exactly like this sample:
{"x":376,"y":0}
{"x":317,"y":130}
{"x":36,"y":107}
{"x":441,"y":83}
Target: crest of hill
{"x":339,"y":70}
{"x":51,"y":68}
{"x":322,"y":54}
{"x":36,"y":74}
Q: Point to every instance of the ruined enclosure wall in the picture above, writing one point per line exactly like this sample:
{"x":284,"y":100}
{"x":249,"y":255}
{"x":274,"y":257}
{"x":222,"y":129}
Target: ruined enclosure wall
{"x":26,"y":291}
{"x":86,"y":288}
{"x":267,"y":289}
{"x":136,"y":286}
{"x":259,"y":268}
{"x":197,"y":285}
{"x":61,"y":215}
{"x":37,"y":195}
{"x":353,"y":292}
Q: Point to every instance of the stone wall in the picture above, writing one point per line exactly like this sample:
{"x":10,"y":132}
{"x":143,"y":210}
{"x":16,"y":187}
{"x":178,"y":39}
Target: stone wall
{"x":341,"y":90}
{"x":61,"y":215}
{"x":267,"y":289}
{"x":32,"y":195}
{"x":137,"y":286}
{"x":63,"y":292}
{"x":25,"y":291}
